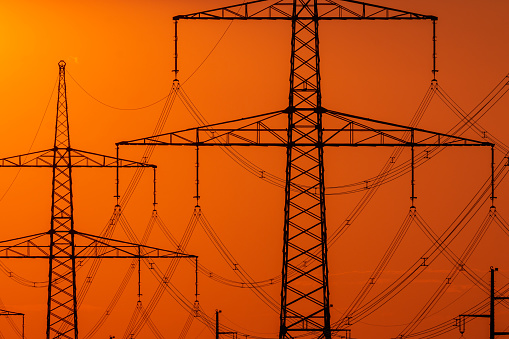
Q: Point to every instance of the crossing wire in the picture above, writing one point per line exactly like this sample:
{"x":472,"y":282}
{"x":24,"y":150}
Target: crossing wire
{"x":123,"y":284}
{"x":459,"y":264}
{"x":187,"y":326}
{"x":500,"y":172}
{"x":413,"y":272}
{"x":165,"y":279}
{"x":128,"y":194}
{"x":449,"y":325}
{"x":389,"y":253}
{"x":489,"y":102}
{"x":115,"y":107}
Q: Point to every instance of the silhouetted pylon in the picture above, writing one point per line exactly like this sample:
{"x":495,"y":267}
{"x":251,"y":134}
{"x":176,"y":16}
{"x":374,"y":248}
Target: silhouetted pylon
{"x":66,"y":245}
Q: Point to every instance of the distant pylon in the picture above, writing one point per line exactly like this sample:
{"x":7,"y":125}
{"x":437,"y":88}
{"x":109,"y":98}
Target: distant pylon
{"x":65,"y":243}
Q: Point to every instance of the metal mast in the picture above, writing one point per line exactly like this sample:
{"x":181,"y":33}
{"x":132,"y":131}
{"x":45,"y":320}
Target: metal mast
{"x":62,"y":270}
{"x":65,"y":243}
{"x":304,"y":290}
{"x":491,"y":314}
{"x":305,"y":308}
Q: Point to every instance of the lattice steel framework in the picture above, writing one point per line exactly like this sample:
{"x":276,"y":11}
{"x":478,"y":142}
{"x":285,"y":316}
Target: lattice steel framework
{"x":65,"y":243}
{"x":305,"y":287}
{"x":62,"y":271}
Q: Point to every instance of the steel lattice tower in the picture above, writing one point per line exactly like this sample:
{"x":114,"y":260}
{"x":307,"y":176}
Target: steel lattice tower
{"x":305,"y":295}
{"x":62,"y":271}
{"x":65,"y":243}
{"x":305,"y":308}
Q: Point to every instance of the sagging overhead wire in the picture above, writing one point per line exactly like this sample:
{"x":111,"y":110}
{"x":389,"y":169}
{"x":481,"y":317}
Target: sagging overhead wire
{"x":467,"y":121}
{"x":121,"y":288}
{"x":164,"y":279}
{"x":6,"y":270}
{"x":380,"y":268}
{"x":250,"y":166}
{"x":384,"y":172}
{"x":232,"y":153}
{"x":33,"y":140}
{"x":169,"y":287}
{"x":116,"y":216}
{"x":163,"y":98}
{"x":391,"y":175}
{"x":236,"y":267}
{"x":19,"y":332}
{"x":460,"y":128}
{"x":459,"y":265}
{"x":111,"y":106}
{"x":187,"y":326}
{"x":452,"y":324}
{"x":141,"y":316}
{"x":501,"y":172}
{"x":431,"y":254}
{"x":198,"y":217}
{"x":472,"y":125}
{"x":71,"y":76}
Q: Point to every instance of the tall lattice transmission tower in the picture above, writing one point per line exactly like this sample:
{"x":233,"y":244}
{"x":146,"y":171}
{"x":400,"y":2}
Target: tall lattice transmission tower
{"x":304,"y":128}
{"x":62,"y":244}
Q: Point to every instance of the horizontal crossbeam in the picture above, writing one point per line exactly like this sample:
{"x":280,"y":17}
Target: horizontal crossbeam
{"x":344,"y":130}
{"x":78,"y":159}
{"x":4,"y":312}
{"x":87,"y":246}
{"x":327,"y":10}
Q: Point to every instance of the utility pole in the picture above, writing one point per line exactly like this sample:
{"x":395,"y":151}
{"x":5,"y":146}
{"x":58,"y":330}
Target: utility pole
{"x":63,"y":244}
{"x":218,"y":332}
{"x":304,"y":128}
{"x":491,"y":315}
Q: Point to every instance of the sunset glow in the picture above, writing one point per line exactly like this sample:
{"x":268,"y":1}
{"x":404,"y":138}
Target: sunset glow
{"x":119,"y":59}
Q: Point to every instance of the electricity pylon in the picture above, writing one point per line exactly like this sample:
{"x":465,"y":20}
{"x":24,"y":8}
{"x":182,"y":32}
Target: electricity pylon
{"x":65,"y":244}
{"x":304,"y":128}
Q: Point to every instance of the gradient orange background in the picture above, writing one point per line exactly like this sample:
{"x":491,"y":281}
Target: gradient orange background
{"x":122,"y":53}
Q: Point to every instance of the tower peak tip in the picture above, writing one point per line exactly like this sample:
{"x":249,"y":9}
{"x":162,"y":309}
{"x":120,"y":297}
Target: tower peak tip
{"x":61,"y":63}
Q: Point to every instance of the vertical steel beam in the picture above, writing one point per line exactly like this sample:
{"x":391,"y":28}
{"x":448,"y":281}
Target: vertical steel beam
{"x":492,"y":303}
{"x":305,"y":288}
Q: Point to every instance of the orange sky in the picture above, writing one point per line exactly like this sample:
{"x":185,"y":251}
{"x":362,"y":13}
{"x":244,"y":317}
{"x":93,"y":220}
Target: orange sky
{"x":121,"y":52}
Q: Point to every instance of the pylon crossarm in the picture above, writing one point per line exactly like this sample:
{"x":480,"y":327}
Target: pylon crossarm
{"x":30,"y":246}
{"x":87,"y":246}
{"x":475,"y":315}
{"x":254,"y":10}
{"x":33,"y":159}
{"x":360,"y":131}
{"x":99,"y":247}
{"x":328,"y":10}
{"x":4,"y":312}
{"x":89,"y":159}
{"x":267,"y":130}
{"x":261,"y":130}
{"x":356,"y":10}
{"x":78,"y":159}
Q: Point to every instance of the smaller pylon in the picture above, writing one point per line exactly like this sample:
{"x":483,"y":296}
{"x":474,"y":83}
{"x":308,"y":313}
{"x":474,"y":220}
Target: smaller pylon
{"x":65,"y":243}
